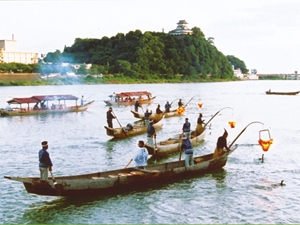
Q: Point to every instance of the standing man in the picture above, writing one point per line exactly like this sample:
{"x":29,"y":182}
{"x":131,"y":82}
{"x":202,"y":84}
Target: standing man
{"x":167,"y":106}
{"x":186,"y":146}
{"x":180,"y":104}
{"x":137,"y":105}
{"x":221,"y":144}
{"x":110,"y":117}
{"x":150,"y":134}
{"x":45,"y":161}
{"x":199,"y":128}
{"x":147,"y":116}
{"x":186,"y":128}
{"x":140,"y":156}
{"x":82,"y":100}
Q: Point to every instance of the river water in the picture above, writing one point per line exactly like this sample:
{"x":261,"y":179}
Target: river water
{"x":246,"y":190}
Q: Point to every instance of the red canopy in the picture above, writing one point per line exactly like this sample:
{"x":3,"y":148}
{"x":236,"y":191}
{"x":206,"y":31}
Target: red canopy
{"x":35,"y":99}
{"x":130,"y":94}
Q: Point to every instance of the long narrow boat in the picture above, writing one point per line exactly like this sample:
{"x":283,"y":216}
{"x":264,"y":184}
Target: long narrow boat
{"x":129,"y":98}
{"x":173,"y":145}
{"x":137,"y":128}
{"x":282,"y":93}
{"x":43,"y":104}
{"x":154,"y":115}
{"x":121,"y":180}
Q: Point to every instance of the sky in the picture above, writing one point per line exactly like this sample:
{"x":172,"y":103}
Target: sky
{"x":265,"y":34}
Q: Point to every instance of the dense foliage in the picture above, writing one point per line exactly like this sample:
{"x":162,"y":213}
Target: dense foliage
{"x":149,"y":55}
{"x":237,"y":63}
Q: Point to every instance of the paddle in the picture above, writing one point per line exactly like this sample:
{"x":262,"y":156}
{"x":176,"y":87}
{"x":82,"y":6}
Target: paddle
{"x":243,"y":132}
{"x":179,"y":145}
{"x":119,"y":123}
{"x":128,"y":164}
{"x":216,"y":114}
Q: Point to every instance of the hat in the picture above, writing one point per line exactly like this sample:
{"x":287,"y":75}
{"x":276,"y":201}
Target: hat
{"x":183,"y":137}
{"x":186,"y":118}
{"x":45,"y":143}
{"x":225,"y":132}
{"x":110,"y":108}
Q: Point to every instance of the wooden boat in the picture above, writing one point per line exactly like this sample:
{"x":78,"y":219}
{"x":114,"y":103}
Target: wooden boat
{"x":43,"y":104}
{"x":173,"y":145}
{"x":122,"y":180}
{"x":137,"y":128}
{"x":129,"y":98}
{"x":154,"y":115}
{"x":282,"y":93}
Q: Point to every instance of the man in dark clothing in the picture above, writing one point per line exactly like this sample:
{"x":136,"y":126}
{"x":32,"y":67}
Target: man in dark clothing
{"x":45,"y":163}
{"x":186,"y":128}
{"x":151,"y":134}
{"x":137,"y":105}
{"x":110,"y":117}
{"x":158,"y":111}
{"x":221,"y":144}
{"x":180,"y":104}
{"x":167,"y":106}
{"x":147,"y":116}
{"x":187,"y":147}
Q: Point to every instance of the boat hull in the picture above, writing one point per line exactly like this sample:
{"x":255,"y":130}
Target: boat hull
{"x":155,"y":115}
{"x":129,"y":102}
{"x":282,"y":93}
{"x":173,"y":145}
{"x":118,"y":181}
{"x":137,"y":129}
{"x":24,"y":112}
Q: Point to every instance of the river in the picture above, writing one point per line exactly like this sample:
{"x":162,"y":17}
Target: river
{"x":246,"y":190}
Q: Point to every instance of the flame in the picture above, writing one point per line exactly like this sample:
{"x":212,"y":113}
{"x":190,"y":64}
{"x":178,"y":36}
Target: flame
{"x":232,"y":123}
{"x":265,"y":144}
{"x":180,"y":110}
{"x":200,"y":105}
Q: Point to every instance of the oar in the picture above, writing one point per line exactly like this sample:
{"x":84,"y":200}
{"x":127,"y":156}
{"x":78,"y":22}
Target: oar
{"x":243,"y":132}
{"x":179,"y":144}
{"x":174,"y":101}
{"x":120,"y":124}
{"x":216,"y":114}
{"x":128,"y":163}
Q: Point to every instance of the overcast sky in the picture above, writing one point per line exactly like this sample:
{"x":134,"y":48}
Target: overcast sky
{"x":265,"y":34}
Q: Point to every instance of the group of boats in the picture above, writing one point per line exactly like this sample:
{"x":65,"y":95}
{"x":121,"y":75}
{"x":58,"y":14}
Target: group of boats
{"x":132,"y":178}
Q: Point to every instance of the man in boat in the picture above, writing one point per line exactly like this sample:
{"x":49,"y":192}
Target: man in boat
{"x":158,"y":110}
{"x":147,"y":115}
{"x":151,"y":134}
{"x":45,"y":161}
{"x":140,"y":156}
{"x":137,"y":105}
{"x":186,"y":128}
{"x":180,"y":104}
{"x":110,"y":117}
{"x":82,"y":100}
{"x":167,"y":106}
{"x":200,"y":122}
{"x":186,"y":146}
{"x":8,"y":108}
{"x":221,"y":144}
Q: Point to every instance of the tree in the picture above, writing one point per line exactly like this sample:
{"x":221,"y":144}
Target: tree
{"x":237,"y":63}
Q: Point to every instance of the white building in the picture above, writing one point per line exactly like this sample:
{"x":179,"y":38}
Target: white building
{"x":181,"y":29}
{"x":9,"y":53}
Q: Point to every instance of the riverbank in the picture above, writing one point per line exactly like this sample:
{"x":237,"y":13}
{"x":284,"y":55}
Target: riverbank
{"x":34,"y":79}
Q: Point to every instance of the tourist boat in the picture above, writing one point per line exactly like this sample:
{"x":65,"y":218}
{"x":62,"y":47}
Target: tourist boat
{"x":282,"y":93}
{"x":122,"y":180}
{"x":43,"y":104}
{"x":138,"y":127}
{"x":154,"y":115}
{"x":129,"y":98}
{"x":173,"y":145}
